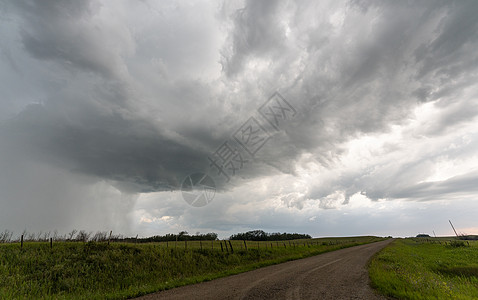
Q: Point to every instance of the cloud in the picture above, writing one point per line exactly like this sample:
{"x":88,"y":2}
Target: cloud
{"x":124,"y":101}
{"x":74,"y":35}
{"x":258,"y":32}
{"x":463,"y":184}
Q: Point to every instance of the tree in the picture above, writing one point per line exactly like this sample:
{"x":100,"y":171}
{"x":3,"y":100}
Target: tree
{"x":423,"y":235}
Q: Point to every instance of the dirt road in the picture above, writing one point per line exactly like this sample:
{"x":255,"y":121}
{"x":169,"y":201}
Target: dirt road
{"x":341,"y":274}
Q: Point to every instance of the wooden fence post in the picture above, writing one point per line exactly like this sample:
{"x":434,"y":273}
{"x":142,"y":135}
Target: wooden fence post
{"x":225,"y":244}
{"x":245,"y":245}
{"x":222,"y":249}
{"x":230,"y":244}
{"x":51,"y":243}
{"x":21,"y":242}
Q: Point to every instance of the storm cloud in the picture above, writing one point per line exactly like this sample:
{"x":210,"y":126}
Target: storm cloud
{"x":106,"y":107}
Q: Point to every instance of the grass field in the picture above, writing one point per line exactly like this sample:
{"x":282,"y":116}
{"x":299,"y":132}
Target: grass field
{"x":120,"y":270}
{"x":427,"y":269}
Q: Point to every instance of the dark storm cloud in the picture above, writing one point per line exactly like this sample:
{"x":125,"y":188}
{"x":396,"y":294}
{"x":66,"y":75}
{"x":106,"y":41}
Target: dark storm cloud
{"x":257,"y":31}
{"x":133,"y":96}
{"x":62,"y":31}
{"x":350,"y":83}
{"x":93,"y":128}
{"x":129,"y":151}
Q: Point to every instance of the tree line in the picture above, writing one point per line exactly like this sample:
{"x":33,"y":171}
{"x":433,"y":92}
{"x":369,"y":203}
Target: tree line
{"x":85,"y":236}
{"x":260,"y":235}
{"x":170,"y":237}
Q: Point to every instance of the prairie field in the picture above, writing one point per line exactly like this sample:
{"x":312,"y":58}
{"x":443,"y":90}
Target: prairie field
{"x":418,"y":268}
{"x":98,"y":270}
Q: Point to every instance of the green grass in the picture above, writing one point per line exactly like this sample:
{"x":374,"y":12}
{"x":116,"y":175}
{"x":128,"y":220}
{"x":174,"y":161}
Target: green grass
{"x":75,"y":270}
{"x":421,"y":269}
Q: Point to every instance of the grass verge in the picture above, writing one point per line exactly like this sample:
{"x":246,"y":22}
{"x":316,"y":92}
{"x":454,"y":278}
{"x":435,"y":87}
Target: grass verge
{"x":72,"y":270}
{"x":418,"y":269}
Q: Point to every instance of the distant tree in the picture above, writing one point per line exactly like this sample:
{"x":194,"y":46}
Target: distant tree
{"x":100,"y":236}
{"x":72,"y":234}
{"x":83,"y":236}
{"x":423,"y":235}
{"x":182,"y":236}
{"x":6,"y":236}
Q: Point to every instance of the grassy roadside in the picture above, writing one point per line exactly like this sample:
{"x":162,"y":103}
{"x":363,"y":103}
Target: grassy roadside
{"x":118,"y":271}
{"x":417,"y":269}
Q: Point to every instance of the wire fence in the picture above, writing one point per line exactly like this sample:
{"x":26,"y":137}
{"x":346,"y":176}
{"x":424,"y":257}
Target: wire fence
{"x":225,"y":245}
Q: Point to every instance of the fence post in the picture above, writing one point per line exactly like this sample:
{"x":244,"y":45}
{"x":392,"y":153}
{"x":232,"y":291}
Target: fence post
{"x":222,"y":249}
{"x":21,"y":242}
{"x":109,"y":238}
{"x":51,"y":243}
{"x":225,"y":244}
{"x":245,"y":245}
{"x":230,"y":244}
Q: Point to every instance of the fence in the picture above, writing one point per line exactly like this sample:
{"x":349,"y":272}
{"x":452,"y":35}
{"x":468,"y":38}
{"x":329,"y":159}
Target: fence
{"x":222,"y":245}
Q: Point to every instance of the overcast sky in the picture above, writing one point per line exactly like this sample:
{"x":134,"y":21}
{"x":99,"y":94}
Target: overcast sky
{"x":107,"y":106}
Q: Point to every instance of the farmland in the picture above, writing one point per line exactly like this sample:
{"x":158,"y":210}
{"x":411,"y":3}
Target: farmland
{"x":427,"y":269}
{"x":101,"y":270}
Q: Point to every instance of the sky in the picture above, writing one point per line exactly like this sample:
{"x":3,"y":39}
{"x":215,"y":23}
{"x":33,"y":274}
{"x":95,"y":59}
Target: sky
{"x":332,"y":118}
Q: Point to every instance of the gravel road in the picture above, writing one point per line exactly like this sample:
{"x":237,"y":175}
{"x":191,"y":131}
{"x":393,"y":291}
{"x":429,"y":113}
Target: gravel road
{"x":340,"y":274}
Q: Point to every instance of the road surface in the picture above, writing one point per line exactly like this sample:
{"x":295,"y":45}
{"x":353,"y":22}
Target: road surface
{"x":340,"y":274}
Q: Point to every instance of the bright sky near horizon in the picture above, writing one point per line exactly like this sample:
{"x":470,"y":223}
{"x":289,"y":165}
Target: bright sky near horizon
{"x":330,"y":118}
